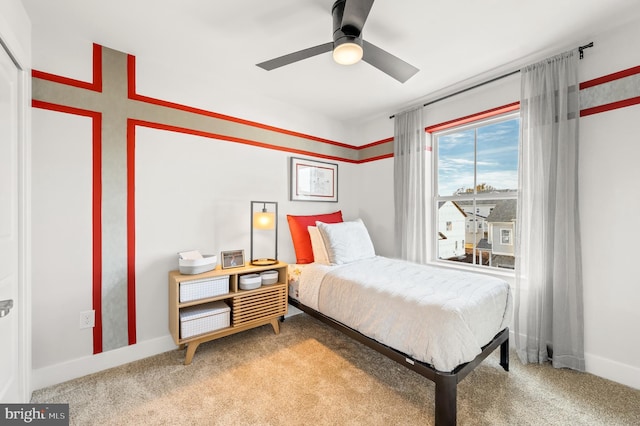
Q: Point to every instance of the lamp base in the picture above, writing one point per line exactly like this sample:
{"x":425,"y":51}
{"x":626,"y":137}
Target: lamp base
{"x":264,"y":262}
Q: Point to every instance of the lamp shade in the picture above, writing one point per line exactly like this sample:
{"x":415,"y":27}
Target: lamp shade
{"x":264,"y":220}
{"x":264,"y":233}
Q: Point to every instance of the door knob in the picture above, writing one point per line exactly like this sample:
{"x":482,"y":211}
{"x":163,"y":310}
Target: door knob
{"x":5,"y":307}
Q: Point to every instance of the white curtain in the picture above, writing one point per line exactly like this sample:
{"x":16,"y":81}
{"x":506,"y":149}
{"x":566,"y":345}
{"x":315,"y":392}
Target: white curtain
{"x":409,"y":169}
{"x":549,"y":303}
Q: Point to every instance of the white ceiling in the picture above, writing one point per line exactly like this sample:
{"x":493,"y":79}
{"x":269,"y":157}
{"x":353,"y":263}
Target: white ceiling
{"x":448,"y":40}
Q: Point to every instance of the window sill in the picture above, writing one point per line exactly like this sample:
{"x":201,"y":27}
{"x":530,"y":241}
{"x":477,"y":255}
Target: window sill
{"x":506,"y":274}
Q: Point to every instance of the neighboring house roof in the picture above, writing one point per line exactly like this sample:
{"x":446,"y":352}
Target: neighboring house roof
{"x":504,"y":211}
{"x":479,"y":202}
{"x":469,"y":205}
{"x":442,"y":203}
{"x":483,"y":244}
{"x":477,"y":216}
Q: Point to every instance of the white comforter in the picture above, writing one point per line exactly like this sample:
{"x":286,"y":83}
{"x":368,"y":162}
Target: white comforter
{"x":435,"y":315}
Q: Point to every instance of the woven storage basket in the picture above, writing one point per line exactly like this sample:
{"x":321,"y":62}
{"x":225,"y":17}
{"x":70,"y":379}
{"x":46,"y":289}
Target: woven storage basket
{"x":203,"y":288}
{"x":250,"y":281}
{"x":269,"y":277}
{"x":204,"y":318}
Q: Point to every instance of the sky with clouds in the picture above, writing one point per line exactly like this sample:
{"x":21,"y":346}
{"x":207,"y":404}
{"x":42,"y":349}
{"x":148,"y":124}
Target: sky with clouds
{"x":497,"y":157}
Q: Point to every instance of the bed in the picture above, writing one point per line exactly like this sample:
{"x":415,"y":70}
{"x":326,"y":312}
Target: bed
{"x":436,"y":321}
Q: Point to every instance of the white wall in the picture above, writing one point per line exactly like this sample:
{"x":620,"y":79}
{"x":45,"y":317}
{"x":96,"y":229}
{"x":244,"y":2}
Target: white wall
{"x":15,"y":31}
{"x":375,"y":203}
{"x":61,"y":52}
{"x":159,"y":80}
{"x":223,"y":177}
{"x":195,"y":193}
{"x":191,"y":193}
{"x":62,"y":238}
{"x":609,"y":193}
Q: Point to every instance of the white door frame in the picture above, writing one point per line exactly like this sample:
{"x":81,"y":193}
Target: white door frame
{"x":24,"y":230}
{"x":19,"y":49}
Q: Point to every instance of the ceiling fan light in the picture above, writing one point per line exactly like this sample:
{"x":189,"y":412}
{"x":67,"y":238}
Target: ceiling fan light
{"x":347,"y":53}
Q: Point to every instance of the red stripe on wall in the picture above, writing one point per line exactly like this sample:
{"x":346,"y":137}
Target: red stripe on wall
{"x":96,"y":206}
{"x":131,"y":77}
{"x":131,"y":67}
{"x":95,"y":85}
{"x":610,"y":77}
{"x":131,"y":231}
{"x":473,"y":117}
{"x":379,"y":157}
{"x":209,"y":135}
{"x":64,"y":108}
{"x":372,"y":144}
{"x":610,"y":106}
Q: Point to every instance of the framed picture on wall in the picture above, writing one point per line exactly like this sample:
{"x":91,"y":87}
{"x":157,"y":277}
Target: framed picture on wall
{"x":312,"y":180}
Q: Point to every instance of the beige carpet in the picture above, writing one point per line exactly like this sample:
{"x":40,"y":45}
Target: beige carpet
{"x":312,"y":374}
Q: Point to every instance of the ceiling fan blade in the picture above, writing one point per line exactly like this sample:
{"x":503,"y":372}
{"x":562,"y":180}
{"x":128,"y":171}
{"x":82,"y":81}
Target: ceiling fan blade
{"x":387,"y":63}
{"x":355,"y":14}
{"x":296,"y":56}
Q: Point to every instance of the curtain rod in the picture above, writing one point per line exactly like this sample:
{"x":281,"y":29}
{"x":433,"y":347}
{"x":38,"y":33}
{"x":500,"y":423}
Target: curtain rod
{"x":580,"y":49}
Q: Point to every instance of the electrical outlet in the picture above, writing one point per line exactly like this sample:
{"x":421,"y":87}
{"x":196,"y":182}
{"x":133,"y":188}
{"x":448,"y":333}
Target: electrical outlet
{"x":87,"y":319}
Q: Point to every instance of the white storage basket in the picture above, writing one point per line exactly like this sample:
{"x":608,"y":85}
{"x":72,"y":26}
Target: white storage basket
{"x":250,"y":281}
{"x":203,"y":288}
{"x":204,"y":318}
{"x":198,"y":266}
{"x":269,"y":277}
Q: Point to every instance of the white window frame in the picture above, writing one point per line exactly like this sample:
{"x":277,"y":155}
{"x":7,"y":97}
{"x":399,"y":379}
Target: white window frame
{"x":436,"y":199}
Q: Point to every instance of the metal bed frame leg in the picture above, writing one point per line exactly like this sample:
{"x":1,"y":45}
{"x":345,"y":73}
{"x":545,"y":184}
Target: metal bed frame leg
{"x":446,"y":400}
{"x":504,"y":355}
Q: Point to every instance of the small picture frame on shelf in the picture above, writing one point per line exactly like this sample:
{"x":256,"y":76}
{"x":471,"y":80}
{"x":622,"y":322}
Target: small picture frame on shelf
{"x":232,"y":259}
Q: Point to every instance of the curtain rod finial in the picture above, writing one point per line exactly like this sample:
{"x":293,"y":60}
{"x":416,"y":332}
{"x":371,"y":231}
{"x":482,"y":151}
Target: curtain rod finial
{"x":581,"y":49}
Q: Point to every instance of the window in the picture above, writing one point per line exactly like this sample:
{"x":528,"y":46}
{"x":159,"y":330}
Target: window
{"x":505,"y":235}
{"x":476,"y":170}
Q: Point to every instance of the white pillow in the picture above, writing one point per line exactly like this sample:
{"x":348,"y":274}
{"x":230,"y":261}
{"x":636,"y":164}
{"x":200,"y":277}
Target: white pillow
{"x":346,"y":241}
{"x":317,"y":245}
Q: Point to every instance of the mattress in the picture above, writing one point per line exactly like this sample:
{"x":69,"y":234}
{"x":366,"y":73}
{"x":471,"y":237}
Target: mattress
{"x":294,"y":274}
{"x":435,"y":315}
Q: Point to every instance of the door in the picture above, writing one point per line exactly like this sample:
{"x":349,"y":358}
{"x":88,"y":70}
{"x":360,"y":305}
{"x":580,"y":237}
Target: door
{"x":10,"y":349}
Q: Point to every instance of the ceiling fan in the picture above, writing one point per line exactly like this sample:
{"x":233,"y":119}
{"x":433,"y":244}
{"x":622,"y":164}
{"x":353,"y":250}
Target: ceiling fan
{"x":348,"y":46}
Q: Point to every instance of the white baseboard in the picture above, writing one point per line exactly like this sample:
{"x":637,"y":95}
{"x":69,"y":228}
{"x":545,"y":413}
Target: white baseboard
{"x":58,"y":373}
{"x":625,"y":374}
{"x":54,"y":374}
{"x":609,"y":369}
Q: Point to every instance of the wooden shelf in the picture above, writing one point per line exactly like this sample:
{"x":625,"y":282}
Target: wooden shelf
{"x":249,"y":308}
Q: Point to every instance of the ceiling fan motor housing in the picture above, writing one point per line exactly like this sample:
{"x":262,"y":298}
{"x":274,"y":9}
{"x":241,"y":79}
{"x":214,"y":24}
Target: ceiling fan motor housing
{"x":343,"y":33}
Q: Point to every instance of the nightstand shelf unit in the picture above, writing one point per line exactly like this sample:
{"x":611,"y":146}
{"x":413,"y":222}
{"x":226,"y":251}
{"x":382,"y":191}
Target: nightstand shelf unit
{"x":249,"y":308}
